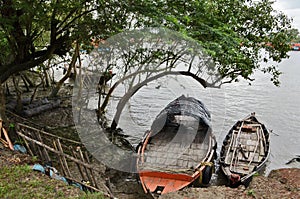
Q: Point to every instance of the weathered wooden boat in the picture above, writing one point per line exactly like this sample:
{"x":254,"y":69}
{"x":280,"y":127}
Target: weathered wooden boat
{"x":179,"y":150}
{"x":245,"y":151}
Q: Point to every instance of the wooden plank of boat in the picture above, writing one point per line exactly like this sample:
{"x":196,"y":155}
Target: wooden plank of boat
{"x":245,"y":150}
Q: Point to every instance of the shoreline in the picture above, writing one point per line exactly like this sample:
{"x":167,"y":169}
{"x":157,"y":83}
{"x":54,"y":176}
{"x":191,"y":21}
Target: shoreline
{"x":124,"y":186}
{"x":280,"y":183}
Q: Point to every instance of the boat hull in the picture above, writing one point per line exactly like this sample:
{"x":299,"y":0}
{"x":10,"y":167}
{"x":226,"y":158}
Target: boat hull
{"x":245,"y":151}
{"x":178,"y":151}
{"x":163,"y":182}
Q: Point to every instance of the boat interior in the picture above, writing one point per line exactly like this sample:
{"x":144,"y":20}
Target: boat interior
{"x":180,"y":146}
{"x":247,"y":147}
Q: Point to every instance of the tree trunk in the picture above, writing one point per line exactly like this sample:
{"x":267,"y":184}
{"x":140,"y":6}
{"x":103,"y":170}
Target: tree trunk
{"x":27,"y":79}
{"x":2,"y":103}
{"x":25,"y":82}
{"x":19,"y":106}
{"x":6,"y":88}
{"x":111,"y":90}
{"x":37,"y":110}
{"x":67,"y":75}
{"x":46,"y":78}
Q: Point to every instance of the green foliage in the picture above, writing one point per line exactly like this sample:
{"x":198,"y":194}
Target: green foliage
{"x":234,"y":32}
{"x":251,"y":192}
{"x":11,"y":125}
{"x":34,"y":159}
{"x":294,"y":35}
{"x":35,"y":31}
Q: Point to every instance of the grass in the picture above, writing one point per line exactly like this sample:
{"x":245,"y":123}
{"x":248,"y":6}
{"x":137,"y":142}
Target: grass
{"x":19,"y":181}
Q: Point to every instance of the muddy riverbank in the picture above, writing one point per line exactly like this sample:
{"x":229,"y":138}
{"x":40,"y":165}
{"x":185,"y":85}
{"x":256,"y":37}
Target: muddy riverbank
{"x":282,"y":183}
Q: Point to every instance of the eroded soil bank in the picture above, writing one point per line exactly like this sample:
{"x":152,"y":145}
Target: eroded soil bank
{"x":281,"y":183}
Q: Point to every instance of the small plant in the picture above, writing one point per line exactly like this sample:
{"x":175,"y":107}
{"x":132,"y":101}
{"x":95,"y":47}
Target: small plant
{"x":250,"y":192}
{"x":34,"y":159}
{"x":19,"y":141}
{"x":11,"y":125}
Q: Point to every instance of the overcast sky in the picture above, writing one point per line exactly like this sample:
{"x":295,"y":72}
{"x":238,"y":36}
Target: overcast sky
{"x":290,"y":8}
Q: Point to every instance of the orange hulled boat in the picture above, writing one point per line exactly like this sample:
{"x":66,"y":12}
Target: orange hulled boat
{"x":179,"y":149}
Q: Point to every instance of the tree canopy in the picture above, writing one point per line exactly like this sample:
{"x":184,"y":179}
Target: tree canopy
{"x":34,"y":31}
{"x":238,"y":34}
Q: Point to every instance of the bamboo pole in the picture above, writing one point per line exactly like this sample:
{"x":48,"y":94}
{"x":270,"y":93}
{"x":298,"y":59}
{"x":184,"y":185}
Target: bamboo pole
{"x":25,"y":141}
{"x":63,"y":158}
{"x":62,"y":154}
{"x":44,"y":150}
{"x":9,"y":144}
{"x":31,"y":143}
{"x":60,"y":159}
{"x":91,"y":170}
{"x":85,"y":169}
{"x":3,"y":142}
{"x":90,"y":187}
{"x":56,"y":151}
{"x":78,"y":165}
{"x":49,"y":134}
{"x":37,"y":147}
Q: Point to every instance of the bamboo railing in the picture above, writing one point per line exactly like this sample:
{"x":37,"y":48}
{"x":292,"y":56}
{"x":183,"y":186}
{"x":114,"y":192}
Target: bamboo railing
{"x":69,"y":157}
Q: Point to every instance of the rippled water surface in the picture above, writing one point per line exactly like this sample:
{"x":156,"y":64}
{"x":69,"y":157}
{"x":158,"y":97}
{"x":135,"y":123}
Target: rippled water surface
{"x":277,"y":107}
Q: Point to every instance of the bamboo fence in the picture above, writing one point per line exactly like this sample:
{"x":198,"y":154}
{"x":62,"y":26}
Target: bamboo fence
{"x":69,"y":157}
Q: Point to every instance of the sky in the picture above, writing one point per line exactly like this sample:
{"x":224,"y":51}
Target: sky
{"x":291,"y":8}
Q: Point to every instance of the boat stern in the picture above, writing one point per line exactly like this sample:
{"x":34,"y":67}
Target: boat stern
{"x":162,"y":182}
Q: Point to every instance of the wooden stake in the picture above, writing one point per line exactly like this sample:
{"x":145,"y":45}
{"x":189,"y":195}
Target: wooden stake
{"x":39,"y":138}
{"x":91,"y":171}
{"x":86,"y":169}
{"x":60,"y":159}
{"x":37,"y":147}
{"x":63,"y":158}
{"x":78,"y":165}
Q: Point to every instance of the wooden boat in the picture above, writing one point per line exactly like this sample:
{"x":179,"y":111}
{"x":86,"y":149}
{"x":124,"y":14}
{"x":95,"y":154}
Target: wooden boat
{"x":178,"y":150}
{"x":245,"y":151}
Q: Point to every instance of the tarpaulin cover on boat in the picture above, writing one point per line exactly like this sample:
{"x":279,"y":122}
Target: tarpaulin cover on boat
{"x":187,"y":106}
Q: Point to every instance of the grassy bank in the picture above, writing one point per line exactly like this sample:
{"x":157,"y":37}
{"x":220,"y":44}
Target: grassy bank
{"x":18,"y":180}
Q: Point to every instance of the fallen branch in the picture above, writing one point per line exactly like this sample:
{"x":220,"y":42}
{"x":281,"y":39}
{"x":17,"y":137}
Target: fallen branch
{"x":6,"y":142}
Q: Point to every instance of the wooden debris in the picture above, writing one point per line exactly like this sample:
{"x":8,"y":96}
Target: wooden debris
{"x":5,"y":140}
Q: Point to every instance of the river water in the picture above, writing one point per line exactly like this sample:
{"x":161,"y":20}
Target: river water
{"x":277,"y":107}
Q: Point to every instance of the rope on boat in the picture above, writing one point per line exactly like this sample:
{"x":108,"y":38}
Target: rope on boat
{"x":207,"y":164}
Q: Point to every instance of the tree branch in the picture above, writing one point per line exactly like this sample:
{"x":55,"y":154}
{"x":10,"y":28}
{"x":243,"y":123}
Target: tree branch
{"x":7,"y":70}
{"x":134,"y":89}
